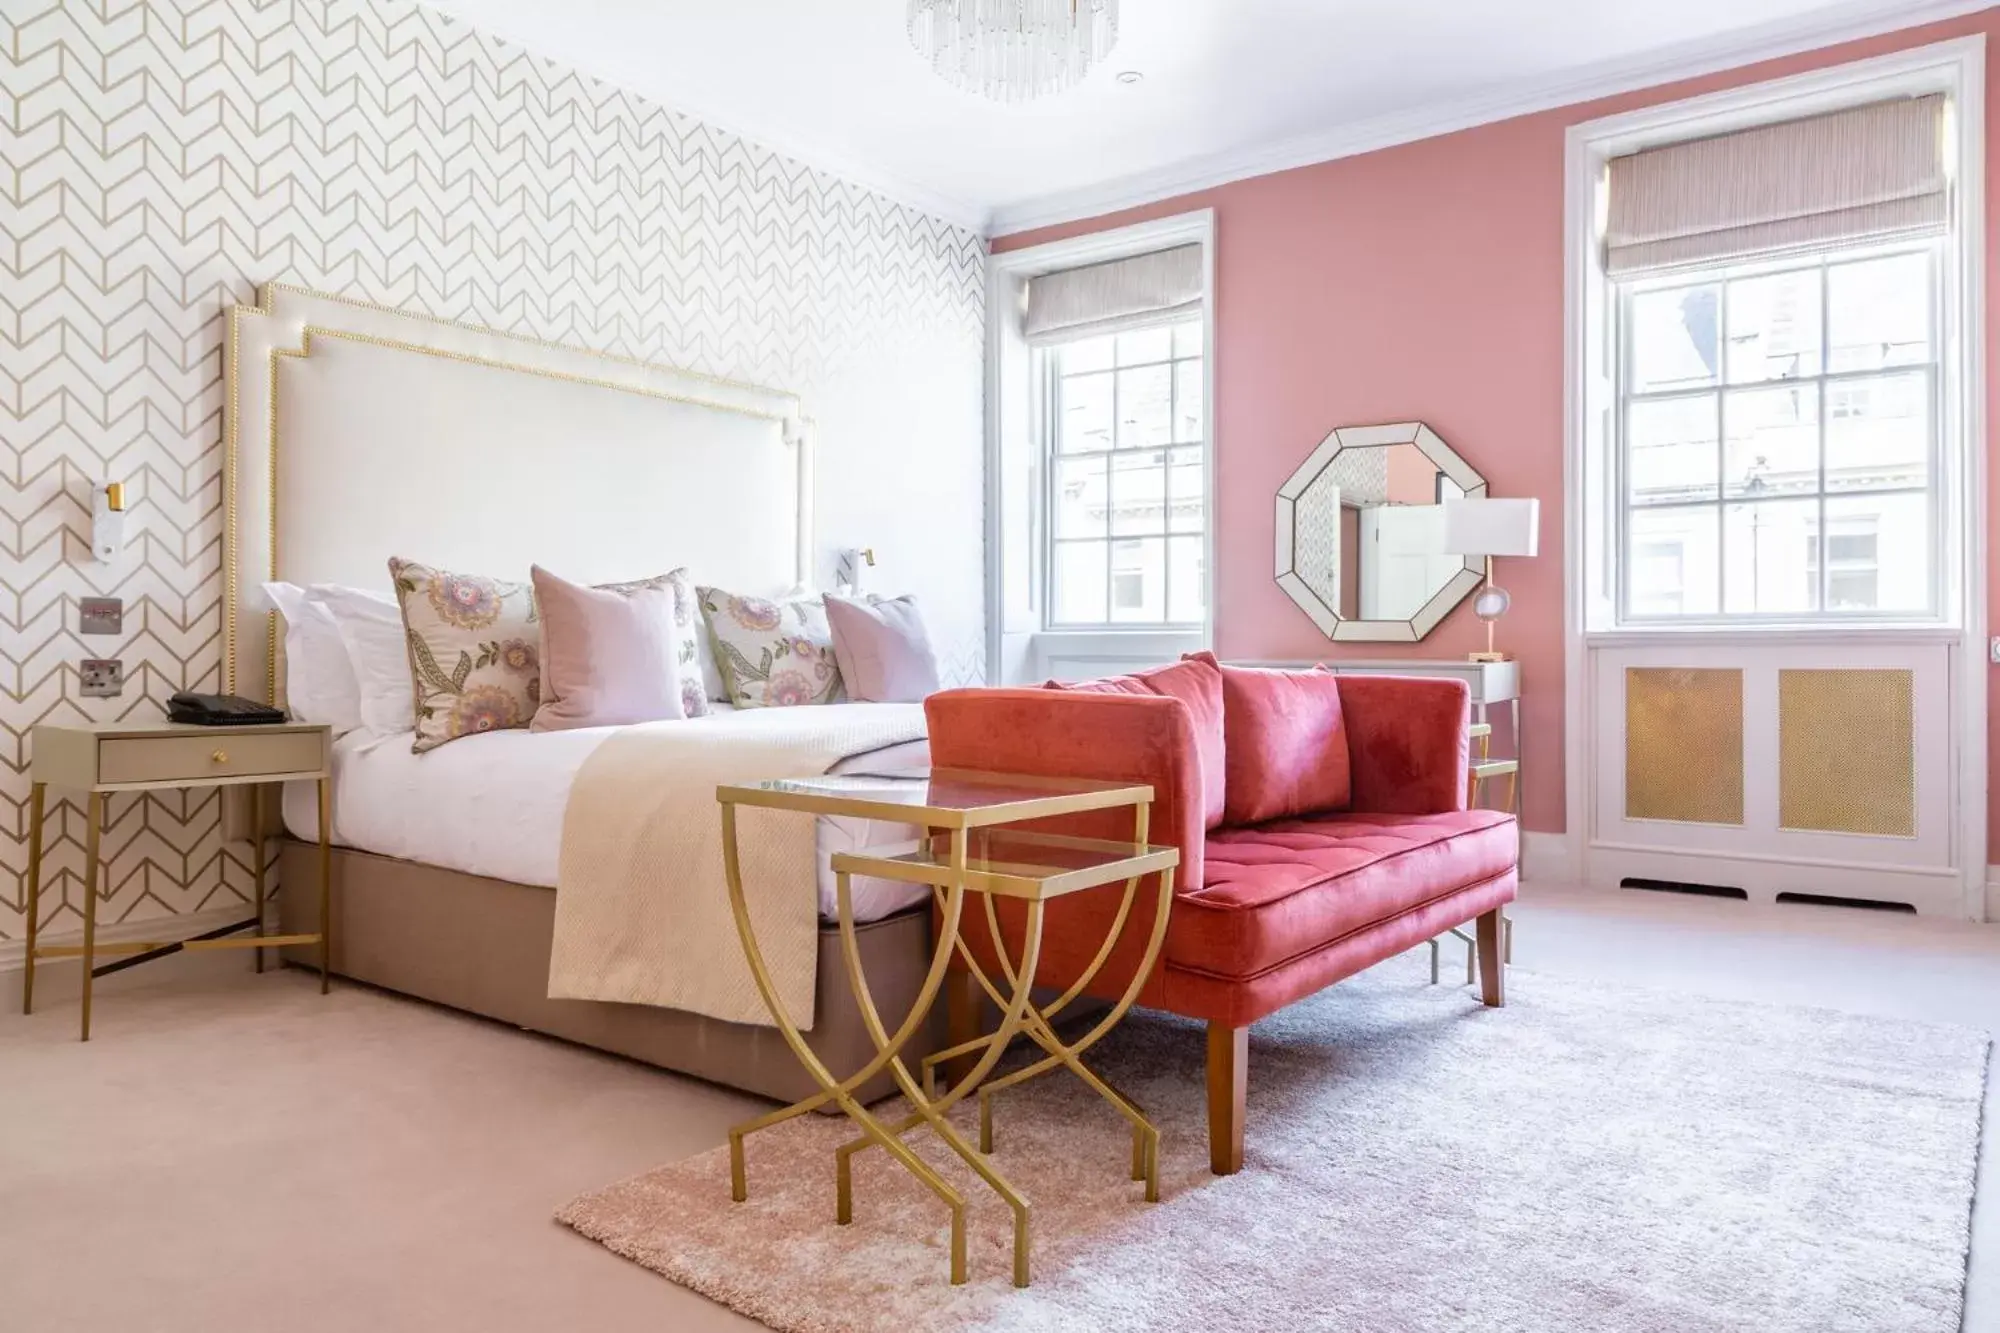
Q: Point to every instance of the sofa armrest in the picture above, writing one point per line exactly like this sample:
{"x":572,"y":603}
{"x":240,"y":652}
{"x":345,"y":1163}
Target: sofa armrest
{"x":1408,"y":742}
{"x":1108,"y":737}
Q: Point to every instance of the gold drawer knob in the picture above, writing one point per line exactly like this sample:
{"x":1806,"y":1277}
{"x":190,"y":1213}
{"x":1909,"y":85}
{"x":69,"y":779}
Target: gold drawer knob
{"x":220,"y":757}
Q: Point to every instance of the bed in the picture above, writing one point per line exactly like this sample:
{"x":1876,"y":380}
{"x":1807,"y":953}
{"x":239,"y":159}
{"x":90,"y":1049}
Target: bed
{"x":416,"y":807}
{"x":354,"y":432}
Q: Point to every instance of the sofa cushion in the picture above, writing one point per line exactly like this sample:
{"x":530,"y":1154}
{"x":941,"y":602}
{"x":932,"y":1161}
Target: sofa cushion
{"x":1408,"y":742}
{"x":1286,"y":745}
{"x":1196,"y":682}
{"x":1278,"y":891}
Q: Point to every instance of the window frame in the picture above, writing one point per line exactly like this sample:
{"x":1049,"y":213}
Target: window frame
{"x":1020,"y":648}
{"x":1953,"y":66}
{"x":1049,"y":380}
{"x":1619,"y":298}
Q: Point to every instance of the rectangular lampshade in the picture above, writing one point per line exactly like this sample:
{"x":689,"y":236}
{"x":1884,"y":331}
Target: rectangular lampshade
{"x":1492,"y":527}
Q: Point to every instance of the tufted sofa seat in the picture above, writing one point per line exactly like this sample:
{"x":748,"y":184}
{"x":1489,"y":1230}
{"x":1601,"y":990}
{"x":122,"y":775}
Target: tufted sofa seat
{"x":1266,"y":912}
{"x":1276,"y":892}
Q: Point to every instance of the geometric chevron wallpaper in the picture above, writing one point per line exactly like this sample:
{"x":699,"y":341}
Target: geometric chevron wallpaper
{"x":167,"y":156}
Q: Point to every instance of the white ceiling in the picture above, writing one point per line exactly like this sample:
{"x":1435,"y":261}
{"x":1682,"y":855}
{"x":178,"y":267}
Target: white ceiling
{"x":1232,"y":87}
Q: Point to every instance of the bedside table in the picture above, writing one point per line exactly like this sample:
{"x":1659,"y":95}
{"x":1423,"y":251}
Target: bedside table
{"x":106,"y":757}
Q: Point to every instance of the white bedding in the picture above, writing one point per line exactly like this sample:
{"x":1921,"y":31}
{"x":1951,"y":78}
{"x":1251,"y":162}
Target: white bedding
{"x":493,"y":805}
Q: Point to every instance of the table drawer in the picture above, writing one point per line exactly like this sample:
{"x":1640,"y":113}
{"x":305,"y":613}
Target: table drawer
{"x":203,"y":758}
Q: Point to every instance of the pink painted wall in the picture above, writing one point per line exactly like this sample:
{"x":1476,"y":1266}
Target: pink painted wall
{"x":1425,"y":281}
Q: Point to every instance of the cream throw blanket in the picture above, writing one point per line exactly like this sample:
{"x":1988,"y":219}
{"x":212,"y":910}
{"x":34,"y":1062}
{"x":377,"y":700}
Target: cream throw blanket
{"x":642,"y":907}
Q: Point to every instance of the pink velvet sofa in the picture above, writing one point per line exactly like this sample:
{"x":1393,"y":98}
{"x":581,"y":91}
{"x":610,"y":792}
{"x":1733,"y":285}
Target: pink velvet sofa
{"x":1321,"y":821}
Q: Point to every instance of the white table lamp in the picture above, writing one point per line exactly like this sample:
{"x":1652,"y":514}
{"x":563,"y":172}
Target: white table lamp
{"x":1489,"y":528}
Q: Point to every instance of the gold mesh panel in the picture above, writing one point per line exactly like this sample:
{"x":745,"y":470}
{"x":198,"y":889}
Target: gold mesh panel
{"x":1684,"y":744}
{"x":1847,"y":752}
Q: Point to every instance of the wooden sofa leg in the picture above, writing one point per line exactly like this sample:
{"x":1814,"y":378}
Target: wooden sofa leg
{"x":1492,"y":971}
{"x":961,"y":1019}
{"x":1228,"y":1080}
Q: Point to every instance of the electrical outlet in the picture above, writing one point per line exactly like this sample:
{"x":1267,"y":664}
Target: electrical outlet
{"x":100,"y":615}
{"x":103,"y":677}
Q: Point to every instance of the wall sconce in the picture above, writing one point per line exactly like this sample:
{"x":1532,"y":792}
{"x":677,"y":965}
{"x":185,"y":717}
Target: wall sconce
{"x":107,"y":520}
{"x":848,"y":566}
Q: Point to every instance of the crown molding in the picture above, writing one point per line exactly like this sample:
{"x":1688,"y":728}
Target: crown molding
{"x":849,"y":170}
{"x":1829,"y":27}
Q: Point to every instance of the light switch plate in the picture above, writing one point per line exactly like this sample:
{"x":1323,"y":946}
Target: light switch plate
{"x":100,"y":615}
{"x":102,"y":677}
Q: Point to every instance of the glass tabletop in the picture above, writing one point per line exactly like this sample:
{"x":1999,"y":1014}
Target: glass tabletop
{"x":1018,"y":863}
{"x":959,"y":796}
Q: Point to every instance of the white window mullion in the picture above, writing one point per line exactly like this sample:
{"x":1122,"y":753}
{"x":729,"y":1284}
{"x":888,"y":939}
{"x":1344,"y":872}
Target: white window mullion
{"x":1151,"y":521}
{"x":1824,"y":564}
{"x":1723,"y":302}
{"x":1110,"y":493}
{"x":1662,"y":356}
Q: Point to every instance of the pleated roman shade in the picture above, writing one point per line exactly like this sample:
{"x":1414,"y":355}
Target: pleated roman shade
{"x":1865,"y":173}
{"x":1138,"y":292}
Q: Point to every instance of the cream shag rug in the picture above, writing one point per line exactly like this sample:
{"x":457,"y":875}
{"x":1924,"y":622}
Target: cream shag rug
{"x":1588,"y":1158}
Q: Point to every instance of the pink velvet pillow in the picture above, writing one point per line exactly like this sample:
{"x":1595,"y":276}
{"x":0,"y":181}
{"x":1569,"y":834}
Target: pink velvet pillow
{"x":1287,"y":744}
{"x":609,"y":656}
{"x":1196,"y":681}
{"x":881,"y":649}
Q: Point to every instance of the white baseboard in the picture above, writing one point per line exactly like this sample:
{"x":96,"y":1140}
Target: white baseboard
{"x":1551,"y":858}
{"x":14,"y":953}
{"x":1548,"y":856}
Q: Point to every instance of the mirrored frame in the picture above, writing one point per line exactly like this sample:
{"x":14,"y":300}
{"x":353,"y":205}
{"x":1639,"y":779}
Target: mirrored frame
{"x":1301,"y":512}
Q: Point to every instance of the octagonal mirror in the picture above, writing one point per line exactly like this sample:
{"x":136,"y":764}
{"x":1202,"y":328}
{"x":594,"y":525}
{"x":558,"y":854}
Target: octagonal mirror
{"x":1361,"y":533}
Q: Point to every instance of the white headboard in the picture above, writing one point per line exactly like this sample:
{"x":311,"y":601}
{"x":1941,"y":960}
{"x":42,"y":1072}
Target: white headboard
{"x":354,"y":433}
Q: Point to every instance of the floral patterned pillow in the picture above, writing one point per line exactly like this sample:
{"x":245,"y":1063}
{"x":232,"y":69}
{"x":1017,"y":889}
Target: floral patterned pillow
{"x":695,"y":660}
{"x":772,"y":654}
{"x":475,"y":652}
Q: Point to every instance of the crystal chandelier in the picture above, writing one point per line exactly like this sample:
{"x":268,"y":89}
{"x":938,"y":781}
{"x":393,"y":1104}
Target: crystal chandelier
{"x":1013,"y":50}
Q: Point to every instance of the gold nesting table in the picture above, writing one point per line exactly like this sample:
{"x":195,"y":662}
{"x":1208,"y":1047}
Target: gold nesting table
{"x":968,"y":848}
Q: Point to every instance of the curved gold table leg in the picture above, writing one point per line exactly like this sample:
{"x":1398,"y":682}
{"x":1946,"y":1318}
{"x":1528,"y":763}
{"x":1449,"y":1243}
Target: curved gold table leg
{"x":925,"y":1111}
{"x":1012,"y":1016}
{"x":1044,"y":1016}
{"x":1040,"y":1028}
{"x":838,"y":1090}
{"x":1037,"y":1021}
{"x":1145,"y":1135}
{"x":1142,"y":819}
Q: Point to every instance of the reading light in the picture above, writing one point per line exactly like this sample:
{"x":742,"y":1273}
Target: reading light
{"x":848,"y":566}
{"x":107,"y":520}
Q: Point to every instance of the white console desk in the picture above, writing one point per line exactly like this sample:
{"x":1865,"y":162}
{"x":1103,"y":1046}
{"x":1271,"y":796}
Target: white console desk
{"x":1490,"y":682}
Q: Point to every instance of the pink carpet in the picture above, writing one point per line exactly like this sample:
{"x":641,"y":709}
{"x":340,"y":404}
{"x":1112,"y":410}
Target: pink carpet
{"x":1587,"y":1158}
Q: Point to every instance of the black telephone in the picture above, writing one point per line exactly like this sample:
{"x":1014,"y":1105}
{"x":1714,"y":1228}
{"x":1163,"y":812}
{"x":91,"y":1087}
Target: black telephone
{"x":221,"y":710}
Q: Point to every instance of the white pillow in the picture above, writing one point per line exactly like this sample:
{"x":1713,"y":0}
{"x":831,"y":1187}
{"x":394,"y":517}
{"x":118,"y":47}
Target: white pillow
{"x":320,"y":685}
{"x":371,"y":628}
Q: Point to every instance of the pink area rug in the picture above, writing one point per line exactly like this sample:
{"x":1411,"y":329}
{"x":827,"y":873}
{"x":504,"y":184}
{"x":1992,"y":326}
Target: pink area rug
{"x":1587,"y":1158}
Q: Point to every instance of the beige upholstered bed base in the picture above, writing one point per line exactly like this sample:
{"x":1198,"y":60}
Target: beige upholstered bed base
{"x":482,"y":945}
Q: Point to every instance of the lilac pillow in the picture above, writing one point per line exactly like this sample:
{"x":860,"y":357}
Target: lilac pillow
{"x":609,"y":656}
{"x":882,"y":651}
